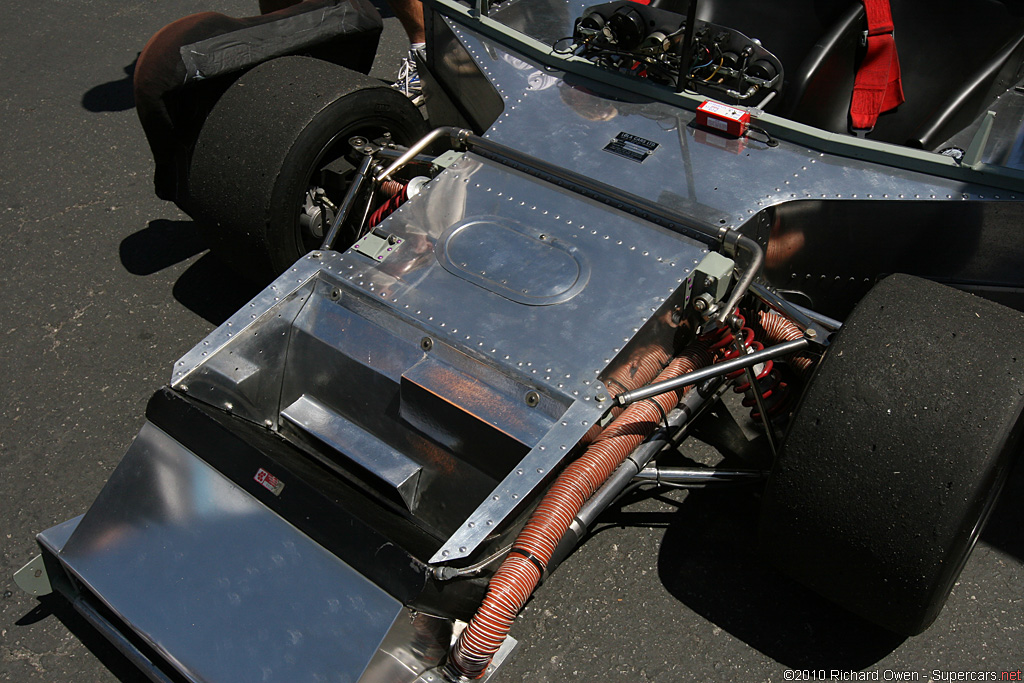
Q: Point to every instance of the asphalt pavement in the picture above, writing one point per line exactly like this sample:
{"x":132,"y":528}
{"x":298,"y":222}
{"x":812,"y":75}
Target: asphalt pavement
{"x":104,"y":286}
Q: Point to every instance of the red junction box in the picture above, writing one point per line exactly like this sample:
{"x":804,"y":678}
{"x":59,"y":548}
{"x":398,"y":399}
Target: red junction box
{"x":723,"y":117}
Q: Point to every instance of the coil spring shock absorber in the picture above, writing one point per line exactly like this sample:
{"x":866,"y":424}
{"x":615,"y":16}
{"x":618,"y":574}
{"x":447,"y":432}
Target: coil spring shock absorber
{"x":396,"y":193}
{"x":774,"y":391}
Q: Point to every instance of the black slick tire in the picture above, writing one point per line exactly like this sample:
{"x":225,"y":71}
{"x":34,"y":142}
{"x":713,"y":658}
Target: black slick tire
{"x":897,"y":451}
{"x":263,"y":142}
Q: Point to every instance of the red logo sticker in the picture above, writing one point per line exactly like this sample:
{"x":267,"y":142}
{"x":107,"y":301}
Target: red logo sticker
{"x":269,"y":481}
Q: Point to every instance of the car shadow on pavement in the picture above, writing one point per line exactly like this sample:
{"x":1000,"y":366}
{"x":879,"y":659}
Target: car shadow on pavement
{"x":116,"y":95}
{"x":1003,"y":528}
{"x":207,"y":287}
{"x":160,"y":245}
{"x":213,"y":291}
{"x":55,"y":605}
{"x":709,"y":562}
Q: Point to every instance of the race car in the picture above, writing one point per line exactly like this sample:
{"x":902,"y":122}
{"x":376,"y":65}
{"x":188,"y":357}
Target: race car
{"x":485,"y":323}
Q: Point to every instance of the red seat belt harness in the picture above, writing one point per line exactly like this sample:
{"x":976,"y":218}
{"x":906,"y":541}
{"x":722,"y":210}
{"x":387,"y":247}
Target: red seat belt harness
{"x":877,"y":87}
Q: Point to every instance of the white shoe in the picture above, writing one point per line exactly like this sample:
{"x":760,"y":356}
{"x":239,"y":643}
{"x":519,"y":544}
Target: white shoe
{"x":409,"y":80}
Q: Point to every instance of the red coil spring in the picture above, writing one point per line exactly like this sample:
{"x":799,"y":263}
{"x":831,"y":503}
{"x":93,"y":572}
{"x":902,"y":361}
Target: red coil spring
{"x":774,"y":391}
{"x":398,"y":195}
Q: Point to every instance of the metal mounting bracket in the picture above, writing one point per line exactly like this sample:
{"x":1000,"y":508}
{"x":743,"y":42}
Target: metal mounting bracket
{"x":377,"y":247}
{"x":33,"y":579}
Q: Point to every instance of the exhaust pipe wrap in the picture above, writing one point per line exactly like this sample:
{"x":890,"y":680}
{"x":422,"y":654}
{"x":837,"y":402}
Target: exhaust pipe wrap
{"x":521,"y":570}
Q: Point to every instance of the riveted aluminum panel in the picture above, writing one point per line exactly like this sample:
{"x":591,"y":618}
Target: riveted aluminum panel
{"x":812,"y":209}
{"x":560,"y":347}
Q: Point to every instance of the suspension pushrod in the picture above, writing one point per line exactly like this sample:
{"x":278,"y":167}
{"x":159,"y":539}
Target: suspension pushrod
{"x":350,"y":199}
{"x":762,"y":409}
{"x":716,"y":370}
{"x":388,"y":154}
{"x":830,"y":324}
{"x":459,"y":134}
{"x":697,"y":476}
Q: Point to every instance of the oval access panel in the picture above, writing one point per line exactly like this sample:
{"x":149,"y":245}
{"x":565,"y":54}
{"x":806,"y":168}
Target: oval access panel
{"x":514,"y":261}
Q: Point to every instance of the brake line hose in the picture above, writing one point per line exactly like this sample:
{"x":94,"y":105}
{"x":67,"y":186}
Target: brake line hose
{"x":522,"y":569}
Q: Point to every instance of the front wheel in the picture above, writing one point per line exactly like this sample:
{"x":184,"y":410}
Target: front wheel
{"x":260,"y":179}
{"x":898,"y":450}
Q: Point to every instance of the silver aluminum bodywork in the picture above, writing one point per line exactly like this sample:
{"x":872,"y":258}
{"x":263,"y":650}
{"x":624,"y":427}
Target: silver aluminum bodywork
{"x":874,"y":208}
{"x":261,"y":601}
{"x":298,"y":361}
{"x":503,"y":344}
{"x":452,"y":376}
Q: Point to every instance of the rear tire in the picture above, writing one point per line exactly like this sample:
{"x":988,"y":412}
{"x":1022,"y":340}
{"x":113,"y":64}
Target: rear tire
{"x":898,"y":450}
{"x":263,"y":145}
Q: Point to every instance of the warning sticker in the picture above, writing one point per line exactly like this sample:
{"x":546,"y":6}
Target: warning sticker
{"x":269,"y":481}
{"x":631,"y":147}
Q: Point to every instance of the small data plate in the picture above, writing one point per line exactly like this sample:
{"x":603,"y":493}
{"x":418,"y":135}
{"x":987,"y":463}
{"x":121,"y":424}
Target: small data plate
{"x":632,"y":147}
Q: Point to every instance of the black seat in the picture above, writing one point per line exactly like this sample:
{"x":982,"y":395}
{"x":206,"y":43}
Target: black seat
{"x":955,"y":58}
{"x":955,"y":55}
